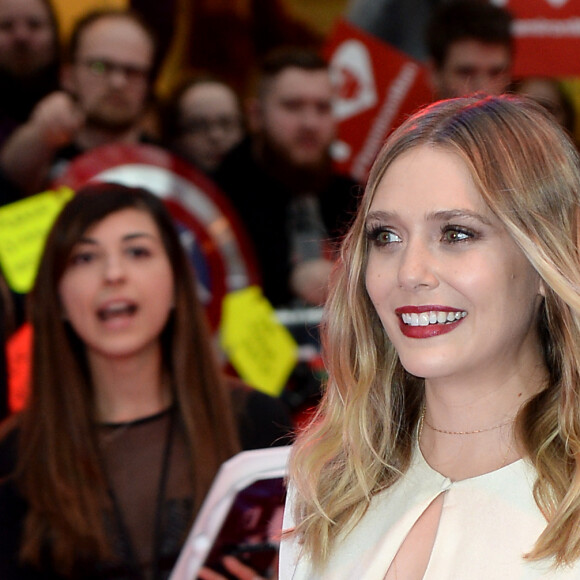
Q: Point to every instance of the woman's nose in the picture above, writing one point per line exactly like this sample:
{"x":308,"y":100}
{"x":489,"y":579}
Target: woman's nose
{"x":114,"y":270}
{"x":417,"y":267}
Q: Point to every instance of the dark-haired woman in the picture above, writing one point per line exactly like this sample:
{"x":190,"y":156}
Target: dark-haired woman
{"x":128,"y":418}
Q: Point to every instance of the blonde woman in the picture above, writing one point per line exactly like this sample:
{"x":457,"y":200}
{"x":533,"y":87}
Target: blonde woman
{"x":447,"y":442}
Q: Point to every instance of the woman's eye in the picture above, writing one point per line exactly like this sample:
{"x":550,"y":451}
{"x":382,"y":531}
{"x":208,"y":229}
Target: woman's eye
{"x":452,"y":235}
{"x":138,"y":252}
{"x":382,"y":236}
{"x":81,"y":258}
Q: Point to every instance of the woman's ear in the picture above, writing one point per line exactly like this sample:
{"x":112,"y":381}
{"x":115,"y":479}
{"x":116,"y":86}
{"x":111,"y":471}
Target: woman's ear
{"x":542,"y":288}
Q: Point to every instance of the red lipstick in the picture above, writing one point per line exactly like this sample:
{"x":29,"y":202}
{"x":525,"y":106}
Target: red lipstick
{"x":429,"y":330}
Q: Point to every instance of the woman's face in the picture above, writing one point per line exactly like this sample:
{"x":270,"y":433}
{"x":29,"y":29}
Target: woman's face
{"x":455,"y":294}
{"x":117,"y":289}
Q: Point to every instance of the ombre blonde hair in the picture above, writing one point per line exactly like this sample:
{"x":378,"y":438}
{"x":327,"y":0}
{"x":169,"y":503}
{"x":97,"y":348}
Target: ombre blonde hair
{"x":362,"y":437}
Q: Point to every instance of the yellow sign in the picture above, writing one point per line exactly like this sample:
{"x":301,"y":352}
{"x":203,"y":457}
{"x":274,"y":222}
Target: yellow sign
{"x":24,"y":226}
{"x":260,"y":348}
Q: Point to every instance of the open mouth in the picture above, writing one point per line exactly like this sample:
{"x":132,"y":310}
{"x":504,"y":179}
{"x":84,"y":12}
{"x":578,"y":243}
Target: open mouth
{"x":431,"y":317}
{"x":116,"y":310}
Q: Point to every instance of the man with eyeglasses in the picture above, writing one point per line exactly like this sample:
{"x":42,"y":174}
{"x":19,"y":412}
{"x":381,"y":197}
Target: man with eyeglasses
{"x":106,"y":81}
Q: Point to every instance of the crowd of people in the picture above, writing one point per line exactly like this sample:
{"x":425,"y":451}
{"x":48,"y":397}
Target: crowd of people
{"x":449,"y":290}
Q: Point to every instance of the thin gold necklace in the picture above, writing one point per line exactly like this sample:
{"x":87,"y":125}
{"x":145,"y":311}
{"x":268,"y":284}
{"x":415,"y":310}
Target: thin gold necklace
{"x":424,"y":420}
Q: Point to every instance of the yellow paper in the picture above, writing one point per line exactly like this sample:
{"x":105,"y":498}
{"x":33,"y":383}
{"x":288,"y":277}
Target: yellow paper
{"x":260,"y":348}
{"x":24,"y":226}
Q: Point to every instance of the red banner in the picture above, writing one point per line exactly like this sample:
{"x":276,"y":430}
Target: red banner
{"x":378,"y":87}
{"x":547,"y":35}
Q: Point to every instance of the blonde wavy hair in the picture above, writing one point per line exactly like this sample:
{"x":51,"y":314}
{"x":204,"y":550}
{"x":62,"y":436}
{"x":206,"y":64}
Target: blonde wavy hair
{"x":362,"y":437}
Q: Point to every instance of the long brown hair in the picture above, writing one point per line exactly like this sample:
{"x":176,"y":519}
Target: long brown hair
{"x":58,"y":470}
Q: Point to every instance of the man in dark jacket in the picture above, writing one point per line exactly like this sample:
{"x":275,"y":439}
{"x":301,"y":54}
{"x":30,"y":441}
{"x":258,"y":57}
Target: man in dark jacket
{"x":281,"y":180}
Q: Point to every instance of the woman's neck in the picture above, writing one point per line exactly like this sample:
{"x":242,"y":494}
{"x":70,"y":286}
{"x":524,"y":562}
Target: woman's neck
{"x":468,"y":428}
{"x":129,"y":389}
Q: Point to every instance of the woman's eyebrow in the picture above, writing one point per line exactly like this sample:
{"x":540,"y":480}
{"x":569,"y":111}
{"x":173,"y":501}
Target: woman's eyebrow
{"x":380,"y":215}
{"x":134,"y":235}
{"x":440,"y":215}
{"x":451,"y":214}
{"x":86,"y":240}
{"x":125,"y":238}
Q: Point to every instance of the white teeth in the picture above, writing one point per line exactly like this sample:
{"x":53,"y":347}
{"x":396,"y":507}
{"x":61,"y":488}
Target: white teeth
{"x":432,"y":317}
{"x":116,"y":309}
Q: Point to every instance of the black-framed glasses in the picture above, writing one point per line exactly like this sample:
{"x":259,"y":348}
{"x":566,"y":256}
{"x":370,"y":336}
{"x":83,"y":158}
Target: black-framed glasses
{"x":100,"y":67}
{"x":201,"y":126}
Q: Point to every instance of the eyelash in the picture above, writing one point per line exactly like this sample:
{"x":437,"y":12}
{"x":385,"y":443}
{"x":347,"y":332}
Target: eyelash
{"x":79,"y":258}
{"x":85,"y":257}
{"x":374,"y":233}
{"x":469,"y":234}
{"x":139,"y":251}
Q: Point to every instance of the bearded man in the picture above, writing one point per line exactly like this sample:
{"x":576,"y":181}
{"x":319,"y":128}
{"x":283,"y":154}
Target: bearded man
{"x":106,"y":80}
{"x":281,"y":179}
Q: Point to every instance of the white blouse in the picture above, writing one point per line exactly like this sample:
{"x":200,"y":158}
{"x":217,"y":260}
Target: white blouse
{"x":487,"y":524}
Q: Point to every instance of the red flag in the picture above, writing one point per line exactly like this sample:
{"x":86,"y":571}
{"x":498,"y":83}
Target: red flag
{"x":547,"y":37}
{"x":378,"y":86}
